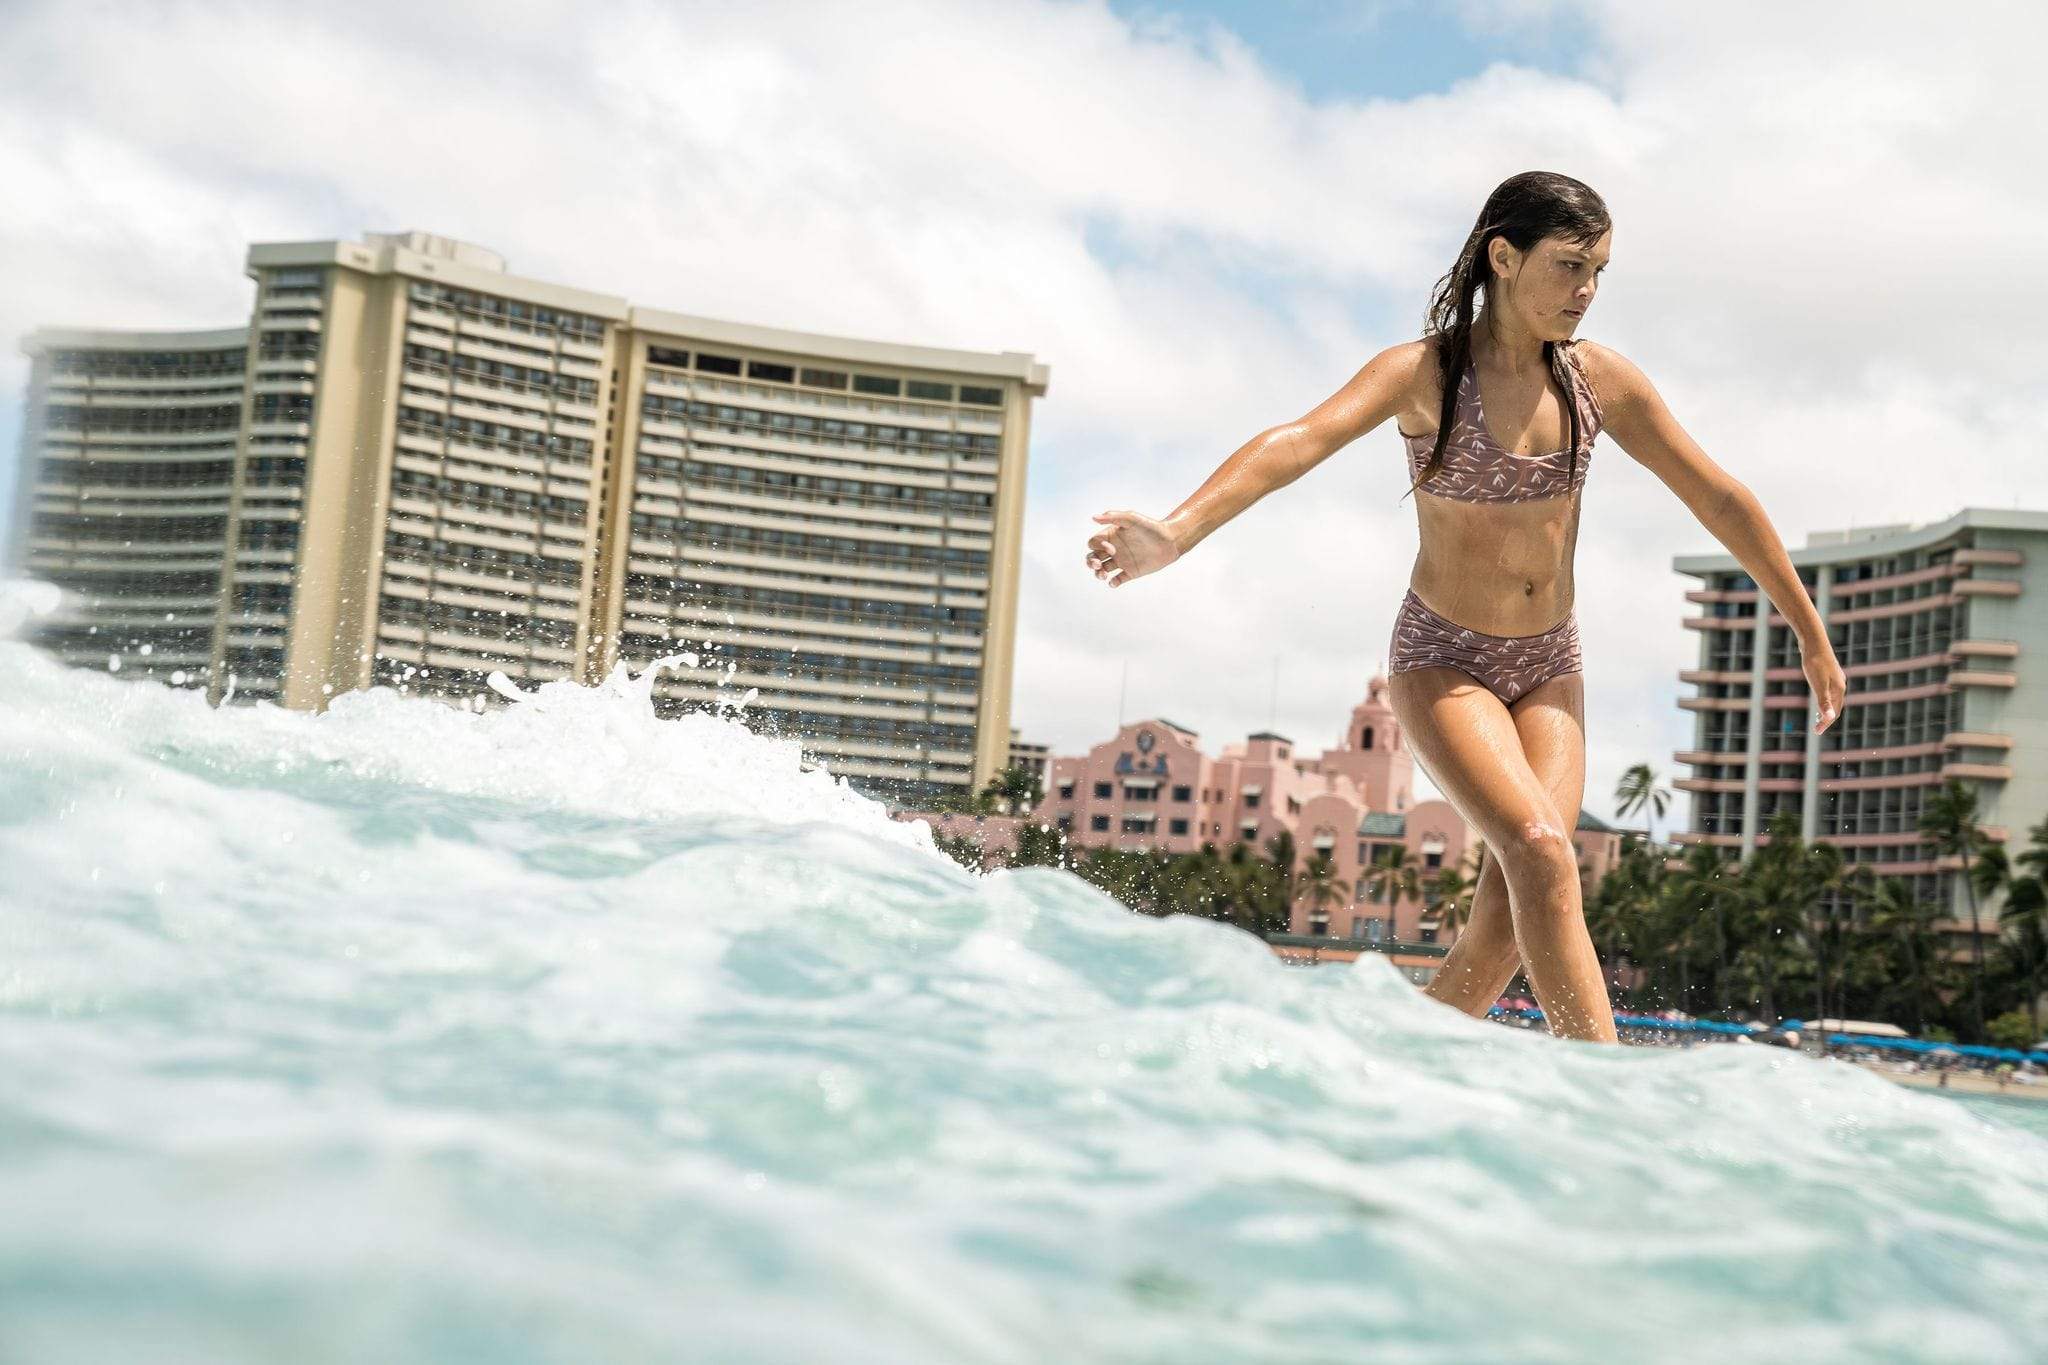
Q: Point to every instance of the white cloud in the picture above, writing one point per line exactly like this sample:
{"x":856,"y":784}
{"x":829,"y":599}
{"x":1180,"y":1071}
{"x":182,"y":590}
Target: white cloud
{"x":1826,"y":225}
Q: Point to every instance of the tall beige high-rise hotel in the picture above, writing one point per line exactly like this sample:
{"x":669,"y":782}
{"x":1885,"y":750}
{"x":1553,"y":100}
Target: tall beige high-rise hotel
{"x":413,"y":468}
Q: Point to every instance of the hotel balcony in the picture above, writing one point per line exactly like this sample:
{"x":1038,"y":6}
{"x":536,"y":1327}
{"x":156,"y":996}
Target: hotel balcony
{"x":1989,"y":772}
{"x":2009,"y":558}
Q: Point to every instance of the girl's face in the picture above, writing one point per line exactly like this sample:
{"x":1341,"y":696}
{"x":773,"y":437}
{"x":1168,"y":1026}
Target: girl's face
{"x":1549,"y":287}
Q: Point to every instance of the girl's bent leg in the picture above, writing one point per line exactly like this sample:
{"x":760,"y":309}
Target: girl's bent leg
{"x":1485,"y":958}
{"x":1550,"y":718}
{"x":1472,"y":747}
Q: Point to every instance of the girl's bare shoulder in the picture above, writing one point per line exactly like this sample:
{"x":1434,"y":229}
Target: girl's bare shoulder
{"x":1420,"y":371}
{"x":1612,"y":375}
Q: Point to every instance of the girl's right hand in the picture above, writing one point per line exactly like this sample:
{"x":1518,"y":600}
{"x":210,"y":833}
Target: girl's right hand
{"x":1133,"y":546}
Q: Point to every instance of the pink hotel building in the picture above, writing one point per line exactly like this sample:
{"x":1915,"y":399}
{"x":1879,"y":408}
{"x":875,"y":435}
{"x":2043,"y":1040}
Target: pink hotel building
{"x":1151,"y":786}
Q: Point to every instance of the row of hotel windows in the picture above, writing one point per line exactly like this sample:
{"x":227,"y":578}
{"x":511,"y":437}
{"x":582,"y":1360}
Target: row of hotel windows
{"x":96,"y":642}
{"x":277,"y":469}
{"x":94,"y":419}
{"x":1851,"y":600}
{"x":150,"y":364}
{"x":1872,"y":725}
{"x":931,"y":558}
{"x":164,"y":528}
{"x":849,"y":668}
{"x":657,"y":406}
{"x":408,"y":675}
{"x":776,"y":373}
{"x":527,"y":378}
{"x":1897,"y":637}
{"x":909,"y":497}
{"x":113,"y":584}
{"x":1104,"y":790}
{"x":263,"y":599}
{"x":279,"y":346}
{"x":507,"y":622}
{"x":494,"y":497}
{"x":1827,"y":768}
{"x":1737,"y":581}
{"x":735,"y":597}
{"x":457,"y":554}
{"x":282,"y":407}
{"x":152,"y":394}
{"x":496,"y":435}
{"x":561,"y":417}
{"x":149,"y":473}
{"x":1869,"y":725}
{"x":1181,"y":794}
{"x":817,"y":724}
{"x":1132,"y":824}
{"x":528,"y":317}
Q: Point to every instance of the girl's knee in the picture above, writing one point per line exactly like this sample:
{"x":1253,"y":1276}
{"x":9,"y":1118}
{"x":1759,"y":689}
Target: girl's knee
{"x":1541,"y":846}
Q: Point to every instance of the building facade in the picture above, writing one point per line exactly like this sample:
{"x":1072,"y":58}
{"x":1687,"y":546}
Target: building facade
{"x":128,"y":476}
{"x":1152,"y":786}
{"x":1033,"y":757}
{"x":1934,"y":626}
{"x":413,"y":468}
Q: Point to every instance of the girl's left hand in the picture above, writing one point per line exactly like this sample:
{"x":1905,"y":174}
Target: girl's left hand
{"x":1824,"y":680}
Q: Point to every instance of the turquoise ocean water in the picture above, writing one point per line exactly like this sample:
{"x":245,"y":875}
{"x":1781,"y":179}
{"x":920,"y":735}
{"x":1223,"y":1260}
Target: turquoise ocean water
{"x":558,"y":1033}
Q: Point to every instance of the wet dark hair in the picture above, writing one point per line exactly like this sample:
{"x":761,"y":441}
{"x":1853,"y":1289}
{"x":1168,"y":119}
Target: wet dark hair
{"x":1525,"y":209}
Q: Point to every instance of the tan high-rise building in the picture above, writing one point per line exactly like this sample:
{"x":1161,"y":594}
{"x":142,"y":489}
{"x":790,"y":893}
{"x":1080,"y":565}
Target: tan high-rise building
{"x":413,"y":468}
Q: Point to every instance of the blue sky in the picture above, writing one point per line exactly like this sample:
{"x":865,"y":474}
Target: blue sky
{"x":1366,"y":50}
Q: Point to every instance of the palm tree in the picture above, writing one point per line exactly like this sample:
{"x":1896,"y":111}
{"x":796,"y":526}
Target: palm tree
{"x":1617,"y":901}
{"x":1682,"y":906}
{"x":2026,"y":910}
{"x":1015,"y":790}
{"x":2034,"y":857}
{"x":1249,"y":879}
{"x":1948,"y":818}
{"x":1896,"y":912}
{"x":1639,"y":789}
{"x":961,"y":848}
{"x":1281,"y":882}
{"x":1320,"y":885}
{"x":1831,"y":946}
{"x":1395,"y":876}
{"x":1451,"y":891}
{"x":1779,"y":886}
{"x":2026,"y":949}
{"x":1039,"y":846}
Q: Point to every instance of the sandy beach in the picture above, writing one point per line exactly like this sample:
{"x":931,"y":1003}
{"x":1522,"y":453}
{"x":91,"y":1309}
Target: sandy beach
{"x":1962,"y":1082}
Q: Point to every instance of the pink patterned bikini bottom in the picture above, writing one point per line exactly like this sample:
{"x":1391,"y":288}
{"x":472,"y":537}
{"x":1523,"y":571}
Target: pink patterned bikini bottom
{"x":1505,"y":665}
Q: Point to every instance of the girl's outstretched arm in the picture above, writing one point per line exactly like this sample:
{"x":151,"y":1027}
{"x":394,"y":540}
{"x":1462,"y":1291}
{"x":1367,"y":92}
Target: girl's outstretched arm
{"x":1133,"y":544}
{"x":1634,"y":413}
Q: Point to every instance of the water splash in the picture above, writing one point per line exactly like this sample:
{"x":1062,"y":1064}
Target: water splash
{"x":559,"y":1032}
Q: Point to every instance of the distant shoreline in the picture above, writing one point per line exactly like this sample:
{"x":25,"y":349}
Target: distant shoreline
{"x":1961,"y":1083}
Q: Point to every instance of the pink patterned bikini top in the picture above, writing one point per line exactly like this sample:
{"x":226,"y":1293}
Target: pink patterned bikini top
{"x":1475,"y":469}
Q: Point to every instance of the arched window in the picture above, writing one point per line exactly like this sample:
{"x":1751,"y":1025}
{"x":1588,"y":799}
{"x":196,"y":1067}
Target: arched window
{"x":1365,"y":742}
